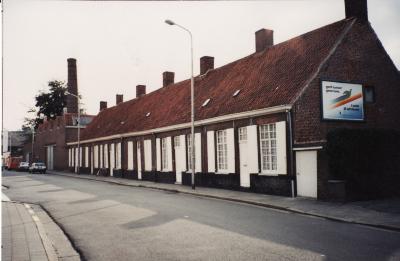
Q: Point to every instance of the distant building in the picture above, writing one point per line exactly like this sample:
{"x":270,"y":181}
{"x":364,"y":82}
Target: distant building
{"x":13,"y":142}
{"x":261,"y":121}
{"x":51,"y":136}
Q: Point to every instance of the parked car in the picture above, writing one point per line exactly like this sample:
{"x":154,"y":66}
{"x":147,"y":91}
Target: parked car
{"x":23,"y":166}
{"x":38,"y":167}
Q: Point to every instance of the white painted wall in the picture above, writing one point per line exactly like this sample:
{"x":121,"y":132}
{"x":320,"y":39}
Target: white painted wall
{"x":281,"y":147}
{"x":86,"y":157}
{"x":139,"y":160}
{"x":96,"y":156}
{"x":198,"y":152}
{"x":130,"y":155}
{"x":80,"y":156}
{"x":169,"y":153}
{"x":112,"y":159}
{"x":230,"y":140}
{"x":91,"y":160}
{"x":118,"y":156}
{"x":106,"y":155}
{"x":76,"y":159}
{"x":101,"y":156}
{"x":69,"y":157}
{"x":211,"y":151}
{"x":252,"y":148}
{"x":147,"y":155}
{"x":158,"y":154}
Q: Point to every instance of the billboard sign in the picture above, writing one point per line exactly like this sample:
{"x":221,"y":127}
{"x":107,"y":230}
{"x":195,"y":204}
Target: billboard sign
{"x":342,"y":101}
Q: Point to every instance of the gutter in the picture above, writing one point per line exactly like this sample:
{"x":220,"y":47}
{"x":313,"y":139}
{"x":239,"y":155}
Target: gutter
{"x":229,"y":117}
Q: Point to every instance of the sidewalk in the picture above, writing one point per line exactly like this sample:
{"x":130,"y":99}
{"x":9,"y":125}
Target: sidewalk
{"x":22,"y":235}
{"x":378,"y":213}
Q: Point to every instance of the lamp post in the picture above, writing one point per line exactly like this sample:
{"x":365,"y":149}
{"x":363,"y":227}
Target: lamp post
{"x":192,"y":98}
{"x":79,"y":129}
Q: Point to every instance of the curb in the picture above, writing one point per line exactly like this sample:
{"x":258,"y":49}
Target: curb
{"x":265,"y":205}
{"x":47,"y":245}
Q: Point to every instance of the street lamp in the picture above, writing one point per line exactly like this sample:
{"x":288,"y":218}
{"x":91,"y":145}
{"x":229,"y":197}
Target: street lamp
{"x":191,"y":95}
{"x":79,"y":129}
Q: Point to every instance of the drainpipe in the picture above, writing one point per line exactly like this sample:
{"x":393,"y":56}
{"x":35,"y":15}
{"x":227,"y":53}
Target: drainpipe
{"x":289,"y":119}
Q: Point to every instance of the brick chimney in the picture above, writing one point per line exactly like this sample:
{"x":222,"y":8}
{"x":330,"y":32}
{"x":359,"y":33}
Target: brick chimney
{"x":103,"y":105}
{"x":119,"y":98}
{"x":206,"y":63}
{"x":72,"y":86}
{"x":168,"y":78}
{"x":140,"y":90}
{"x":264,"y":39}
{"x":356,"y":8}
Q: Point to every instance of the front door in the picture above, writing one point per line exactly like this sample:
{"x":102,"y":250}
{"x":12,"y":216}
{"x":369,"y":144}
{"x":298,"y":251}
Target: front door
{"x":244,"y":156}
{"x":50,"y":156}
{"x":306,"y":173}
{"x":179,"y":157}
{"x":139,"y":161}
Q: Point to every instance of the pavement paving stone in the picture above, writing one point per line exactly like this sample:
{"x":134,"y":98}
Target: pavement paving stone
{"x":378,"y":213}
{"x":20,"y":236}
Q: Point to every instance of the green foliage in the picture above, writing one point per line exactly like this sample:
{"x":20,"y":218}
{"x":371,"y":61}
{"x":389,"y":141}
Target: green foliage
{"x":368,"y":159}
{"x":48,"y":104}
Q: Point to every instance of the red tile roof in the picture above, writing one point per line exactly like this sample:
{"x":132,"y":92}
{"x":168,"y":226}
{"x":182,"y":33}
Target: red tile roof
{"x":269,"y":78}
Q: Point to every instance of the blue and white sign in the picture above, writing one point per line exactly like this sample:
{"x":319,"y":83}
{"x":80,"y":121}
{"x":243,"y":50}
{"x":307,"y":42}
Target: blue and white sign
{"x":342,"y":101}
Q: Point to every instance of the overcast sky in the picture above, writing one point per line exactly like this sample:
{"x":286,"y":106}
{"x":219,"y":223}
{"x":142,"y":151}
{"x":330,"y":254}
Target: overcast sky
{"x":121,"y":44}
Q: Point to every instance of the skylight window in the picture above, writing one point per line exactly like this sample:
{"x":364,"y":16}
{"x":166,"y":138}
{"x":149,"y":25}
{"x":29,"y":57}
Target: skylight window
{"x":206,"y":102}
{"x":236,"y":93}
{"x":148,"y":114}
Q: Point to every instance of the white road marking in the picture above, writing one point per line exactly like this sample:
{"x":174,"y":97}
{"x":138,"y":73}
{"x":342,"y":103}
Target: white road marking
{"x":4,"y":197}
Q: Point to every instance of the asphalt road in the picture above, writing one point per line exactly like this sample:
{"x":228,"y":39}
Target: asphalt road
{"x":113,"y":222}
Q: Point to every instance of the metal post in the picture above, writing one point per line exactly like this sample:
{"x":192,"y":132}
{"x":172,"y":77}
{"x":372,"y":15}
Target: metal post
{"x":79,"y":132}
{"x":192,"y":116}
{"x":192,"y":100}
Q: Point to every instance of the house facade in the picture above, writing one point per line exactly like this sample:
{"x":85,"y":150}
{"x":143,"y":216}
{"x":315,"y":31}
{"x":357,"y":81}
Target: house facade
{"x":260,"y":122}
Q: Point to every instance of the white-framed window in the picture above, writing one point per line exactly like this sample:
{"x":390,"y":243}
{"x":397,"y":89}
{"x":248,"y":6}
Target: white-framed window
{"x":222,"y":151}
{"x":268,"y":147}
{"x":197,"y":152}
{"x":177,"y":141}
{"x":189,"y":151}
{"x":242,"y":135}
{"x":164,"y":154}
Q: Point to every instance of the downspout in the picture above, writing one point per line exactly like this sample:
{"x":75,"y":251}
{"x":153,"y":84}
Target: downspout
{"x":291,"y":167}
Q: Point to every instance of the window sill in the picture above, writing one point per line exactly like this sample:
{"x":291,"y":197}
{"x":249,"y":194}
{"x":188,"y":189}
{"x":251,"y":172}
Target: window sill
{"x":268,"y":174}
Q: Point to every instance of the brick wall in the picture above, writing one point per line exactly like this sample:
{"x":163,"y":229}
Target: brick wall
{"x":359,"y":58}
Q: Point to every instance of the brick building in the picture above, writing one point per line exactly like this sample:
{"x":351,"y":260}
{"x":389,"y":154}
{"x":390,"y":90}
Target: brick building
{"x":51,"y":137}
{"x":261,"y":121}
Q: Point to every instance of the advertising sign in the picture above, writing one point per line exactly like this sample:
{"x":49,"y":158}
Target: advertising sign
{"x":342,"y":101}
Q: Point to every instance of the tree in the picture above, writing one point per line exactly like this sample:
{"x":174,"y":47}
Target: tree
{"x":48,"y":104}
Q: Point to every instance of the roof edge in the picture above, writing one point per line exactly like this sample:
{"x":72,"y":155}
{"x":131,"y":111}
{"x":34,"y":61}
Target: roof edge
{"x":228,"y":117}
{"x":324,"y":61}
